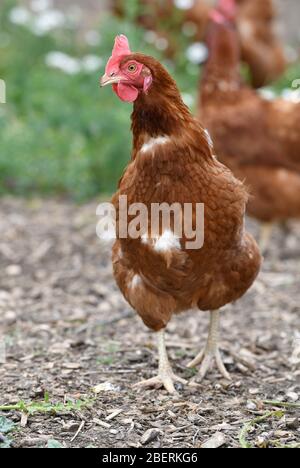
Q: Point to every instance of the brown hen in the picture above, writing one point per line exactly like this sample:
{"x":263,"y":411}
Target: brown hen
{"x":172,"y":162}
{"x":259,"y":140}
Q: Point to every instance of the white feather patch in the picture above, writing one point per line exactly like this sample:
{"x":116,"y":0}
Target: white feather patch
{"x":208,"y":138}
{"x":145,"y":239}
{"x":136,"y":280}
{"x":153,"y":142}
{"x":167,"y":241}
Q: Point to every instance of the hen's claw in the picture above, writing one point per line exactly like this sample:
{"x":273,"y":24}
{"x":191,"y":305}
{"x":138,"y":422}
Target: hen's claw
{"x":206,"y":358}
{"x":166,"y":380}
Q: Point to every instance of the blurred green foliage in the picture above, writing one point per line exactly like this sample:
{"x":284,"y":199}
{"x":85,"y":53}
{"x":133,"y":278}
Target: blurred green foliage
{"x":59,"y":133}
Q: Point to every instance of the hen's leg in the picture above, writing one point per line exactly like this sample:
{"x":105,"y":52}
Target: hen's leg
{"x":265,"y":236}
{"x":211,"y":352}
{"x":166,"y":376}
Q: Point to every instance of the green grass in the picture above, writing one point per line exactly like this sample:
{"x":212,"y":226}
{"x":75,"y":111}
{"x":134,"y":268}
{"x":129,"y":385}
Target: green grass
{"x":60,"y":134}
{"x":281,"y":404}
{"x":253,"y":423}
{"x":270,"y":415}
{"x":48,"y":407}
{"x":39,"y":407}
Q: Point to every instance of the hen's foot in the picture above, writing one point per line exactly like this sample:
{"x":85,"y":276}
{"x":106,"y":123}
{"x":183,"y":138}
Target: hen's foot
{"x":164,"y":379}
{"x":206,"y":358}
{"x":211,"y":353}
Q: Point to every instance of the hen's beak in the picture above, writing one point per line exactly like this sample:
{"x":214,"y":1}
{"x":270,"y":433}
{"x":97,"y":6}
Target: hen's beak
{"x":109,"y":80}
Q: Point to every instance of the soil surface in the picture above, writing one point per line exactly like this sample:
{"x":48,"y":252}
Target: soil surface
{"x":68,"y":329}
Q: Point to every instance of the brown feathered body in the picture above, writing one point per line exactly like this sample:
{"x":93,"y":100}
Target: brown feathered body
{"x":259,"y":140}
{"x":260,"y":47}
{"x":182,"y":170}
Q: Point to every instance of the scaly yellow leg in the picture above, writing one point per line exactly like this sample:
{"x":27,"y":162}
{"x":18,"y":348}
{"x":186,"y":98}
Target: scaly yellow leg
{"x":211,"y":351}
{"x":166,"y":376}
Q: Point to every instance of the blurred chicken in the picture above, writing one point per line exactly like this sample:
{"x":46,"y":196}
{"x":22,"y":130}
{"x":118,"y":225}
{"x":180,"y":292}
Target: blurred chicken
{"x":258,"y":140}
{"x":260,"y":47}
{"x":172,"y":162}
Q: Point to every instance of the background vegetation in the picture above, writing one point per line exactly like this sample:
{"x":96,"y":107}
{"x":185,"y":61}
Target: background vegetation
{"x":59,"y":134}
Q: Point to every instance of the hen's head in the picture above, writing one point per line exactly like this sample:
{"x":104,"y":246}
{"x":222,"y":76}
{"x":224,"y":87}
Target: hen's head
{"x":225,"y":12}
{"x":128,"y":76}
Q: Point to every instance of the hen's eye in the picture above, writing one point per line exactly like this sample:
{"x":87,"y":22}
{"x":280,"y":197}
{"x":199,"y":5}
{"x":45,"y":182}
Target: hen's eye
{"x":132,"y":67}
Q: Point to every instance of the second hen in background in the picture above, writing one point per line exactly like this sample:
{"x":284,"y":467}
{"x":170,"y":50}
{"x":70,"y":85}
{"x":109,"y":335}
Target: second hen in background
{"x":257,"y":138}
{"x":256,"y":27}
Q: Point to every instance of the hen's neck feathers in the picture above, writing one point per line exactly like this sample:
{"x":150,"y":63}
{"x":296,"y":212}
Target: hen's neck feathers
{"x":160,"y":112}
{"x":222,"y":71}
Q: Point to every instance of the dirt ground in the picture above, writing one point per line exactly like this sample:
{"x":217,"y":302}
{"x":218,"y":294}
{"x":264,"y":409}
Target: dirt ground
{"x":67,"y":329}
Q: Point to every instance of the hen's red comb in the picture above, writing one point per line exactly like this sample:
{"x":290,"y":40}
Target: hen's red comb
{"x":225,"y":11}
{"x":121,"y":46}
{"x":121,"y":49}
